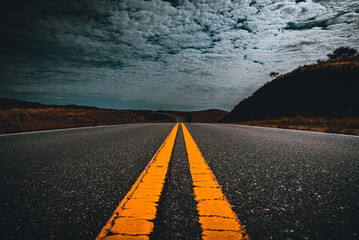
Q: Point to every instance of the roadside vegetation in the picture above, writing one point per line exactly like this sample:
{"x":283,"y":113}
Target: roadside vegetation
{"x":333,"y":125}
{"x":33,"y":119}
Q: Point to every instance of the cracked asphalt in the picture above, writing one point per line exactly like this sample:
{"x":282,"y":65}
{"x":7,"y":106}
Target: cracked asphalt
{"x":283,"y":184}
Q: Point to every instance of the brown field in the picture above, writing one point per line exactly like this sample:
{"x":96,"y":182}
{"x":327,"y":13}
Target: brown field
{"x":33,"y":119}
{"x":334,"y":125}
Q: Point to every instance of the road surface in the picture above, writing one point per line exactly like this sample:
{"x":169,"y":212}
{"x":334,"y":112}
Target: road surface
{"x":281,"y":184}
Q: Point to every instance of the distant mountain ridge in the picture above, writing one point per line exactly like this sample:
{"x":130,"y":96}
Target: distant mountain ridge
{"x":328,"y":89}
{"x":7,"y":103}
{"x":203,"y":116}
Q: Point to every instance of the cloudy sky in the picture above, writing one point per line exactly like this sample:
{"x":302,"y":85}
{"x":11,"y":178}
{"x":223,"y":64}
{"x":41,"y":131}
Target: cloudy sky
{"x":154,"y":54}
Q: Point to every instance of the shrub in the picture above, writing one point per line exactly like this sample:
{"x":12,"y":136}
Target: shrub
{"x":342,"y":52}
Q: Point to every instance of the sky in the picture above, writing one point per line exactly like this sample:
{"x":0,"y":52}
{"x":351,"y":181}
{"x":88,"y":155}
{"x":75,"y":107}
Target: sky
{"x":170,"y":55}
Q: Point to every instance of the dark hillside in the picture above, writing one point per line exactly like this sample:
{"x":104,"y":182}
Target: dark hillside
{"x":328,"y":89}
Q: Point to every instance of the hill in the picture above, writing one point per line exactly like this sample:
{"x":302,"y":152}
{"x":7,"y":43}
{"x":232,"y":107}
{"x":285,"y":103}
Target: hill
{"x":321,"y":95}
{"x":21,"y":116}
{"x":204,"y":116}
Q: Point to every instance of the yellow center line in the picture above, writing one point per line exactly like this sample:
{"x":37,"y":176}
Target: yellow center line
{"x":217,"y":219}
{"x":133,"y":218}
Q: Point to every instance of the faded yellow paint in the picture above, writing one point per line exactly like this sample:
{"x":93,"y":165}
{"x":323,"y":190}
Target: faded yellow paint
{"x":217,"y":219}
{"x":131,"y":226}
{"x":127,"y":237}
{"x":133,"y":217}
{"x":219,"y":223}
{"x":228,"y":235}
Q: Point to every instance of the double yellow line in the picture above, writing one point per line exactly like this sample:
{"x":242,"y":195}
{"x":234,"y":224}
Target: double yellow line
{"x":133,"y":218}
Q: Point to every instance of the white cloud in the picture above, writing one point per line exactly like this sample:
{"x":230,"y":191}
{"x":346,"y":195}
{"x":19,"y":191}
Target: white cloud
{"x":190,"y":55}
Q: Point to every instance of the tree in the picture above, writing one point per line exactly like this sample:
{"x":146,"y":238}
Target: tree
{"x":274,"y":74}
{"x":342,"y":52}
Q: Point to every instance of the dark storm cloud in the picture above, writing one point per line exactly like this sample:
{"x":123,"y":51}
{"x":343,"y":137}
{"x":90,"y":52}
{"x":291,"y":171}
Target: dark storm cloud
{"x":162,"y":54}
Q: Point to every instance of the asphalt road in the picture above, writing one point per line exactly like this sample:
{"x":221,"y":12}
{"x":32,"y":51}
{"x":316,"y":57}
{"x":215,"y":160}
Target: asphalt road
{"x":283,"y":184}
{"x":66,"y":184}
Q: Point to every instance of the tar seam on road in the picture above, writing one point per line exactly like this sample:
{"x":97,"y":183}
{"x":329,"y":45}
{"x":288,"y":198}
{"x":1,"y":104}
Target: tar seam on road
{"x":217,"y":219}
{"x":133,"y":218}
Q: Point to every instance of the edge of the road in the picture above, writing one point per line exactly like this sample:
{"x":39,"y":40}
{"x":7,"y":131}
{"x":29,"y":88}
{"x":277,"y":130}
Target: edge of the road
{"x":127,"y":124}
{"x":74,"y":128}
{"x":284,"y":129}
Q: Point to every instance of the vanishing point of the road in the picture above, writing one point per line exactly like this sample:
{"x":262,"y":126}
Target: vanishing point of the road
{"x":179,"y":181}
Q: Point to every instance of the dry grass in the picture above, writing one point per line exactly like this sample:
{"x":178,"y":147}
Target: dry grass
{"x":334,"y":125}
{"x":32,"y":119}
